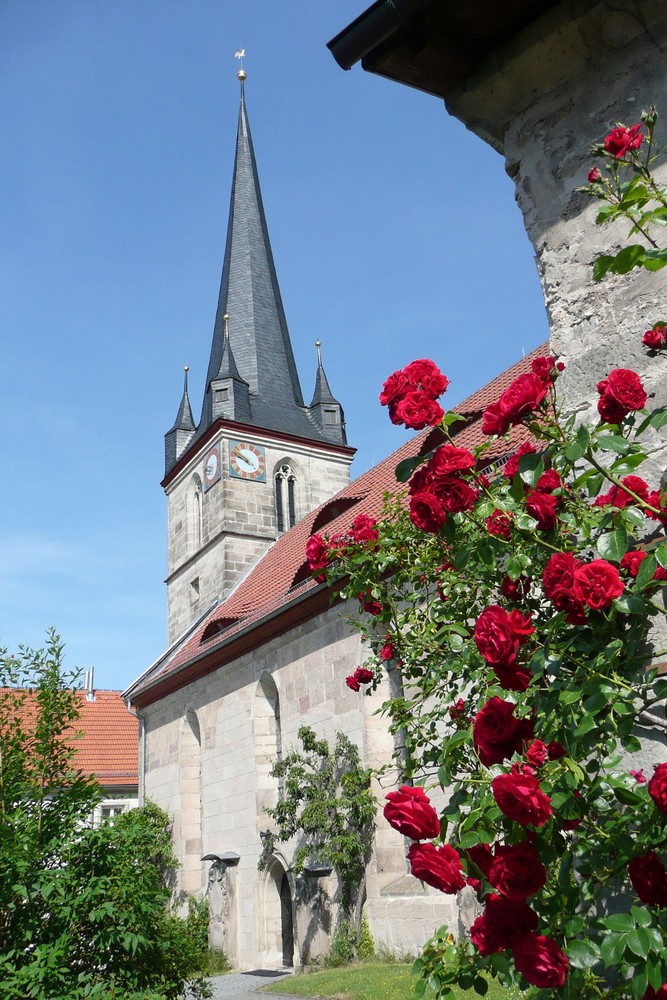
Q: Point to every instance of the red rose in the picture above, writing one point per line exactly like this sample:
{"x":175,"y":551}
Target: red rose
{"x":362,"y":675}
{"x":512,"y":464}
{"x":657,"y":787}
{"x":498,"y":634}
{"x":594,"y":176}
{"x":516,"y":870}
{"x":409,"y":811}
{"x":558,"y":581}
{"x":503,"y":922}
{"x":649,"y":879}
{"x":370,"y":605}
{"x":497,"y":734}
{"x":597,"y":584}
{"x":387,"y":651}
{"x":457,"y":710}
{"x":622,"y":140}
{"x":542,"y":506}
{"x":556,"y":750}
{"x":437,"y":866}
{"x":425,"y":373}
{"x":395,"y":387}
{"x":364,"y":529}
{"x":512,"y":676}
{"x":515,"y":590}
{"x":454,"y":493}
{"x":548,"y":482}
{"x":631,"y":561}
{"x":426,"y":512}
{"x":519,"y":400}
{"x":481,"y":857}
{"x":520,"y":798}
{"x":537,"y":753}
{"x":540,"y":961}
{"x":621,"y":392}
{"x":448,"y":459}
{"x":610,"y":410}
{"x":499,"y":524}
{"x":544,"y":368}
{"x":416,"y":410}
{"x":656,"y":337}
{"x":317,"y":552}
{"x":617,"y":497}
{"x":655,"y":499}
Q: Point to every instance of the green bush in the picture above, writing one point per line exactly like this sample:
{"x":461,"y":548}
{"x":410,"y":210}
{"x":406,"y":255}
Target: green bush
{"x":84,"y":913}
{"x":348,"y":945}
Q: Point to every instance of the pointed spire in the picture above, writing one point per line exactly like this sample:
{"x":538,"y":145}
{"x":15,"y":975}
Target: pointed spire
{"x":322,"y":392}
{"x":179,"y":436}
{"x":325,"y":409}
{"x":249,"y":292}
{"x":184,"y":420}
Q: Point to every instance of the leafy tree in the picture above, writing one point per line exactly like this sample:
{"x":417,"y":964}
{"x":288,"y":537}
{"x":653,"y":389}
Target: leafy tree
{"x":327,"y":803}
{"x":83,"y":912}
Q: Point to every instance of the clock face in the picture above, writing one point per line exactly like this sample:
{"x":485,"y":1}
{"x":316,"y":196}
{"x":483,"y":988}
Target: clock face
{"x":212,"y":467}
{"x":247,"y":461}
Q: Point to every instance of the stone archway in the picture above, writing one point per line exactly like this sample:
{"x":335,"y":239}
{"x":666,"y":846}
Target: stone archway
{"x":277,"y":935}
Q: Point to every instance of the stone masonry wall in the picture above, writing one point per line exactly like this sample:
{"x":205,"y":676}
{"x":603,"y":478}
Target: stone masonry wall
{"x":235,"y":712}
{"x":542,"y":100}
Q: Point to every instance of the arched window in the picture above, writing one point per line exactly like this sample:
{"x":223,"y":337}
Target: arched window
{"x":285,"y":489}
{"x":195,"y":515}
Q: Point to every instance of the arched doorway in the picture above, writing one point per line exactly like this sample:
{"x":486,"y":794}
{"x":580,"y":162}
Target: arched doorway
{"x":286,"y":921}
{"x":276,"y":915}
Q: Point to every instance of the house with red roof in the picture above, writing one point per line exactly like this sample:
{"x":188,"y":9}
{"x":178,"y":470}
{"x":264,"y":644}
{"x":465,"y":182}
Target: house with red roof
{"x":105,"y":740}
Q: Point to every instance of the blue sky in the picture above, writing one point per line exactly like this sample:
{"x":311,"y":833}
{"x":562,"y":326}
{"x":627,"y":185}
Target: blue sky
{"x":394,"y":230}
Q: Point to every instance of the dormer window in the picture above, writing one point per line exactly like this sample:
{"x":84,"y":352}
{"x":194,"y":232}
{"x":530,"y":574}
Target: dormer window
{"x":221,"y":395}
{"x":330,"y":417}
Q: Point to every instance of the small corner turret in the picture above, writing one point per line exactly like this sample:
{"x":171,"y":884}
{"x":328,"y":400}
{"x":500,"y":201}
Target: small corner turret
{"x":178,"y":437}
{"x":325,"y":410}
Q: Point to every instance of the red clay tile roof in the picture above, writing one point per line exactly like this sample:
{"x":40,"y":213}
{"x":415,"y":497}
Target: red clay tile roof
{"x":280,"y":579}
{"x":108,"y":746}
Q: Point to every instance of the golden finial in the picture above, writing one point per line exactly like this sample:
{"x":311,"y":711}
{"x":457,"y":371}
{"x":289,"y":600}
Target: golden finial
{"x":241,"y":75}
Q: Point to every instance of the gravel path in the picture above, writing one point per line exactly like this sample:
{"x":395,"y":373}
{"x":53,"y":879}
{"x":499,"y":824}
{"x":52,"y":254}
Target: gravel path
{"x":241,"y":985}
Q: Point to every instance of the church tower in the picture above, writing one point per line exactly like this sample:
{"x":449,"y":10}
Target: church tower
{"x":259,"y":459}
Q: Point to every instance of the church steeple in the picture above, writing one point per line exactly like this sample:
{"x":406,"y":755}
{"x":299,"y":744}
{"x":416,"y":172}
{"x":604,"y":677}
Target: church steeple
{"x":250,"y":295}
{"x":252,"y":376}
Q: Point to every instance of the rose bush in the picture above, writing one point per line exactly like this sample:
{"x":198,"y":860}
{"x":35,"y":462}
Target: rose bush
{"x":518,"y":605}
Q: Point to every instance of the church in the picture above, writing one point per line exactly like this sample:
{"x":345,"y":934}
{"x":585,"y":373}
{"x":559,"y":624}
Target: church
{"x":255,"y":650}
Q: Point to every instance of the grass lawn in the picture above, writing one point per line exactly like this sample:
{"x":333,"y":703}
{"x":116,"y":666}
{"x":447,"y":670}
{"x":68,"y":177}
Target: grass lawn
{"x":366,"y":982}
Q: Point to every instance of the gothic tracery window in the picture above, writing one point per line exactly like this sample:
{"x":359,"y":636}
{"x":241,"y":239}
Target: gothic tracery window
{"x":285,"y":491}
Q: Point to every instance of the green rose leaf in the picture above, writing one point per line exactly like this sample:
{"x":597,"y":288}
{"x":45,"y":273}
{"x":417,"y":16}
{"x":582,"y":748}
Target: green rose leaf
{"x":583,"y":954}
{"x":613,"y":545}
